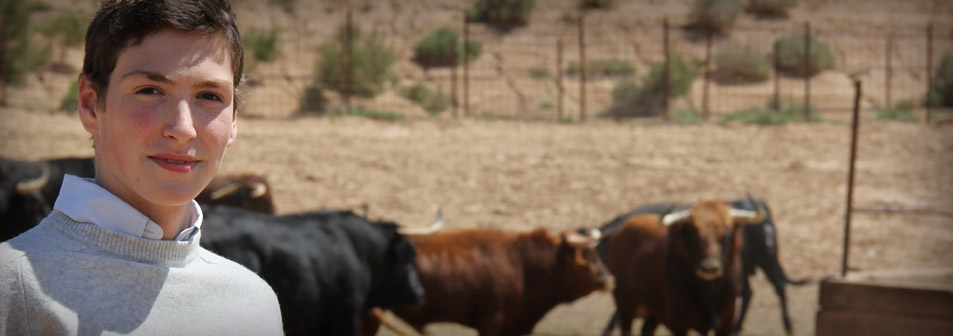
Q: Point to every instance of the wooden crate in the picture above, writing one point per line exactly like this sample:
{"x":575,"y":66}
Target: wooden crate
{"x":900,"y":302}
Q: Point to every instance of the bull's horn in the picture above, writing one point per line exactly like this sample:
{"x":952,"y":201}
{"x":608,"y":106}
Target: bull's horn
{"x":424,"y":231}
{"x":746,"y":216}
{"x":675,"y":217}
{"x":258,"y":190}
{"x":30,"y":187}
{"x":224,"y":191}
{"x":575,"y":239}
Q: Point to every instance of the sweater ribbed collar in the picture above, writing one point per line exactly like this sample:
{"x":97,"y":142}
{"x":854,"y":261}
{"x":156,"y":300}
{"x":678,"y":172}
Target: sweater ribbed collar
{"x":162,"y":252}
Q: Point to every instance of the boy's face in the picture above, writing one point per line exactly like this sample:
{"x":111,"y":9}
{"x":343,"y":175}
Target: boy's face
{"x":167,"y":119}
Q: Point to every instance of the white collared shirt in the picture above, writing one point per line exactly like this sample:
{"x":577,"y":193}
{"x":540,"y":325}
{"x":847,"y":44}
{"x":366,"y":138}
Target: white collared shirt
{"x":85,"y":201}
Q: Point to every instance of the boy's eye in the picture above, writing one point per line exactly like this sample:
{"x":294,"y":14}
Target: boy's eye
{"x":147,"y":91}
{"x":210,"y":96}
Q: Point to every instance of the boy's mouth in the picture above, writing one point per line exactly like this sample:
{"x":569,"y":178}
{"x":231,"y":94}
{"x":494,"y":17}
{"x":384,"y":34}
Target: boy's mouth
{"x":175,"y":163}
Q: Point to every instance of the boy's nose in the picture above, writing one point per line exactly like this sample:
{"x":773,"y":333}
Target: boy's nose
{"x":180,"y":127}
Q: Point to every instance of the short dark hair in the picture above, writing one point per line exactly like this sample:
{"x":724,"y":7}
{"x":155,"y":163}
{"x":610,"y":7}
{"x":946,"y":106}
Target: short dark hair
{"x":120,"y":24}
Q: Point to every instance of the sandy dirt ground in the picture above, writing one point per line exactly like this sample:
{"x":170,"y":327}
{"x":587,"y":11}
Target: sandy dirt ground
{"x":521,"y":175}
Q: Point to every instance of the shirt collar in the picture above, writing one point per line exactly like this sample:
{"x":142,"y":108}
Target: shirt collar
{"x":85,"y":201}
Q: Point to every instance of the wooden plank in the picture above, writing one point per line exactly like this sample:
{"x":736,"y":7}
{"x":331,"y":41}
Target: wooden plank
{"x":838,"y":323}
{"x":894,"y":299}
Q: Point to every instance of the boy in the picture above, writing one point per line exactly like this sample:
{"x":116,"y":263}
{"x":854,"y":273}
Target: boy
{"x":120,"y":253}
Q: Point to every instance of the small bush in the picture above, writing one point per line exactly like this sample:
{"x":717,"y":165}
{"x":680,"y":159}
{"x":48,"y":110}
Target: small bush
{"x":313,"y":101}
{"x":686,"y":116}
{"x":901,"y":111}
{"x":789,"y":112}
{"x":770,"y":8}
{"x":941,"y":94}
{"x":595,"y":4}
{"x":538,"y":73}
{"x":260,"y":46}
{"x":504,"y":14}
{"x":377,"y":115}
{"x":371,"y":63}
{"x":791,"y":52}
{"x":740,"y":64}
{"x":443,"y":48}
{"x":431,"y":101}
{"x":608,"y":67}
{"x":714,"y":16}
{"x":70,"y":101}
{"x":630,"y":99}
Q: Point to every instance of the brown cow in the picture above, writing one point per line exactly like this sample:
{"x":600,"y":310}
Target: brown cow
{"x":502,"y":283}
{"x":248,"y":191}
{"x":683,"y":270}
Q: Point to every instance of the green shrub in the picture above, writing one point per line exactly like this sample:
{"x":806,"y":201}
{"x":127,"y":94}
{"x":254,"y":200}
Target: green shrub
{"x":608,"y":67}
{"x":686,"y":116}
{"x":70,"y":101}
{"x":431,"y":101}
{"x":371,"y":63}
{"x":443,"y":48}
{"x":17,"y":56}
{"x":313,"y":101}
{"x":377,"y":115}
{"x":901,"y":111}
{"x":941,"y":94}
{"x":791,"y":52}
{"x":630,"y":99}
{"x":770,"y":8}
{"x":538,"y":73}
{"x":789,"y":112}
{"x":740,"y":64}
{"x":501,"y":13}
{"x":595,"y":4}
{"x":260,"y":46}
{"x":69,"y":28}
{"x":714,"y":16}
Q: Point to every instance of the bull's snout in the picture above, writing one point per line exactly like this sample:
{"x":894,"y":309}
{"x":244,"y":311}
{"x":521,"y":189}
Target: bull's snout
{"x":606,"y":283}
{"x":709,"y":269}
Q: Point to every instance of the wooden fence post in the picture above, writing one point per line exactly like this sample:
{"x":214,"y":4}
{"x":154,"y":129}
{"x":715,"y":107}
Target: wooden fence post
{"x":665,"y":72}
{"x":559,"y":78}
{"x":466,"y":65}
{"x":888,"y":77}
{"x":582,"y":68}
{"x":705,"y":108}
{"x":348,"y":66}
{"x":929,"y":71}
{"x":807,"y":71}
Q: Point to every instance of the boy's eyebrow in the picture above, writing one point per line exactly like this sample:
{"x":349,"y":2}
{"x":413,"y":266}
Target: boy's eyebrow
{"x":153,"y":76}
{"x":158,"y":77}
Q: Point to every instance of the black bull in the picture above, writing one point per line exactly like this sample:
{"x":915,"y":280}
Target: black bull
{"x":328,"y":269}
{"x":759,"y":250}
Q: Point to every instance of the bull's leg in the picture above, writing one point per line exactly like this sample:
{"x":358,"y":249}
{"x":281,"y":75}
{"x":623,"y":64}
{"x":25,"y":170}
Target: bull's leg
{"x":612,"y":322}
{"x":649,"y":324}
{"x":774,"y":273}
{"x":491,"y":325}
{"x":625,"y":315}
{"x":745,"y":300}
{"x":724,"y":325}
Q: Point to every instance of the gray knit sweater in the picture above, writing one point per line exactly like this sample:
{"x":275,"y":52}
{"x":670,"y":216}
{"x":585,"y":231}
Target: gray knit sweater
{"x":65,"y":277}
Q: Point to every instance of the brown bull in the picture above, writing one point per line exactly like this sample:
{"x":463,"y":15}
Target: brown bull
{"x":248,"y":191}
{"x":682,"y":270}
{"x":502,"y":283}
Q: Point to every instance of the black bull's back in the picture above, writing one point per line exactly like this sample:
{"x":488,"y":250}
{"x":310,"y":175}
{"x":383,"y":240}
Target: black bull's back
{"x":327,"y":268}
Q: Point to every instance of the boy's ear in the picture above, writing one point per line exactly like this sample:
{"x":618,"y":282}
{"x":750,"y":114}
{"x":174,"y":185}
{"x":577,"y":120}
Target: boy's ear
{"x":87,"y":101}
{"x":234,"y":133}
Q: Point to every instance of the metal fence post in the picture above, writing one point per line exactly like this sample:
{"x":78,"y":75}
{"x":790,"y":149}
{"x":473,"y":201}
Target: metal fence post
{"x":466,"y":65}
{"x":582,"y":68}
{"x":665,"y":72}
{"x":348,"y":66}
{"x":777,"y":78}
{"x":559,"y":78}
{"x":705,"y":108}
{"x":929,"y":71}
{"x":888,"y":77}
{"x":850,"y":177}
{"x":807,"y":71}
